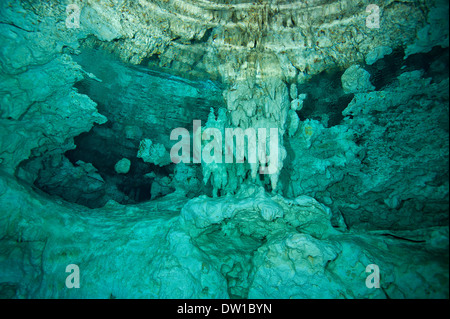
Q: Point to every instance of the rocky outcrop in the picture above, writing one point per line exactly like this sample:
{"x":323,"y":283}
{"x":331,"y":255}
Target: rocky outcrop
{"x":122,"y":166}
{"x":40,"y":110}
{"x":254,"y":246}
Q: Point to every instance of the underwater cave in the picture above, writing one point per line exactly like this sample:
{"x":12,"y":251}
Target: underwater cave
{"x":98,"y":98}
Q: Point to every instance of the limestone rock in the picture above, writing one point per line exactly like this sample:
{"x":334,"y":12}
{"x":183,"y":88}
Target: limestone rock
{"x":122,"y":166}
{"x":153,"y":153}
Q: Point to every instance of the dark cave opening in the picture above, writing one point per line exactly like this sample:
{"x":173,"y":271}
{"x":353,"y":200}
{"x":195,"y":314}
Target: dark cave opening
{"x":386,"y":70}
{"x":435,"y":63}
{"x":103,"y":153}
{"x":328,"y":107}
{"x":86,"y":175}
